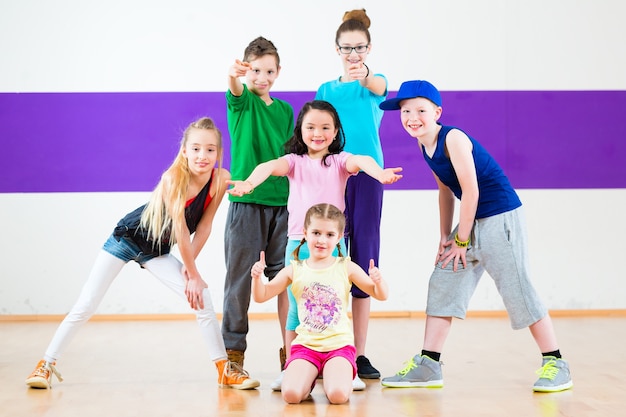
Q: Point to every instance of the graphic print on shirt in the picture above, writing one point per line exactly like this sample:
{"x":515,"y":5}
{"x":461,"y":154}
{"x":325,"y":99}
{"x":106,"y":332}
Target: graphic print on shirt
{"x":322,"y":307}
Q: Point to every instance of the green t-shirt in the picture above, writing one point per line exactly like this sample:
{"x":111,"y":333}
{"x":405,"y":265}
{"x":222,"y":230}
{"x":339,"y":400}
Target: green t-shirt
{"x":258,"y":133}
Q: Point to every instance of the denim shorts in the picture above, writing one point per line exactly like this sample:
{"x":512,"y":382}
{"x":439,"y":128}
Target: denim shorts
{"x":127,"y":250}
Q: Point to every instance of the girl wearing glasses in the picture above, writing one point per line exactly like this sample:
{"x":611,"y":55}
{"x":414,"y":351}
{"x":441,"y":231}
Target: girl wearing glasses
{"x":356,"y":95}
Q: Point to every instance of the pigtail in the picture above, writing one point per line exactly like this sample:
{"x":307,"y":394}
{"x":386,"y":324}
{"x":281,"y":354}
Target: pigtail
{"x":296,"y":253}
{"x":339,"y":250}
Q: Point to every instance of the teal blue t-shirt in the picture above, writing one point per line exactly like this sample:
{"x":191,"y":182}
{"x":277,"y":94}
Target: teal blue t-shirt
{"x":359,"y":114}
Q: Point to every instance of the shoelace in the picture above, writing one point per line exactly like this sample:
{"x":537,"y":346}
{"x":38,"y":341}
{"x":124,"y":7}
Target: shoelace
{"x":407,"y":369}
{"x":45,"y":369}
{"x":548,"y":371}
{"x":238,"y":370}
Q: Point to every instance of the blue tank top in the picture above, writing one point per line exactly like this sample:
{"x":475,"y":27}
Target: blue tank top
{"x":496,"y":194}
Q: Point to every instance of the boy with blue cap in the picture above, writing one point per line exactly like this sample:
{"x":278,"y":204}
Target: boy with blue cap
{"x":490,"y":236}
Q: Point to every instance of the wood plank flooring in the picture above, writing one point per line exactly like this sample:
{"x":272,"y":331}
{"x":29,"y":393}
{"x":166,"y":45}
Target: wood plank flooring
{"x":160,"y":368}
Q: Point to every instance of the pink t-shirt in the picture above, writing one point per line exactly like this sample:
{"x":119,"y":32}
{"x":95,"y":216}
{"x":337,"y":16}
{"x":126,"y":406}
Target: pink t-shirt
{"x":311,"y":182}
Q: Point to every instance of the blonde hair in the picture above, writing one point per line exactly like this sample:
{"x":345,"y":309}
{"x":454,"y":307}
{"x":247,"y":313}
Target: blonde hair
{"x":324,"y":212}
{"x":166,"y":208}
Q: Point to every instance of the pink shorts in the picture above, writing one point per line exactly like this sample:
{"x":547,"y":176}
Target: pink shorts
{"x":319,"y":359}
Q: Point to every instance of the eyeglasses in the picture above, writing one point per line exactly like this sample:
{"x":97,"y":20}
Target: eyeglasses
{"x":347,"y":50}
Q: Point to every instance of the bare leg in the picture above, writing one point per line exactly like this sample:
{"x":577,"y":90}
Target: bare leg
{"x":290,"y":336}
{"x":283,"y":309}
{"x":338,"y":380}
{"x":543,"y":333}
{"x":360,"y":322}
{"x":436,"y":332}
{"x":298,"y":380}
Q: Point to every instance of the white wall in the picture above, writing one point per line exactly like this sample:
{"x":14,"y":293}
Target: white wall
{"x":187,"y":45}
{"x":55,"y":240}
{"x":50,"y":240}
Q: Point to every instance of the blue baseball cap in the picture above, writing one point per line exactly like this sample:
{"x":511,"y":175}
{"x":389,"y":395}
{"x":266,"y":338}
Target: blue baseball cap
{"x":412,"y":89}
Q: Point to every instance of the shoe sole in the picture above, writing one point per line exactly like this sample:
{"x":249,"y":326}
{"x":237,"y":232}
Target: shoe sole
{"x":38,"y":383}
{"x":240,"y":387}
{"x":558,"y":388}
{"x":409,"y":384}
{"x":369,"y":376}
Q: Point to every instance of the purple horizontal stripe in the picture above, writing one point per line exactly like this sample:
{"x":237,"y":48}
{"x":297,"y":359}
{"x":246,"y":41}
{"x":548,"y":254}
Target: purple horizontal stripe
{"x":95,"y":142}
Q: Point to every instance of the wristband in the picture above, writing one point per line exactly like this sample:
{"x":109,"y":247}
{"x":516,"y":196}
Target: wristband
{"x":368,"y":70}
{"x":460,"y":243}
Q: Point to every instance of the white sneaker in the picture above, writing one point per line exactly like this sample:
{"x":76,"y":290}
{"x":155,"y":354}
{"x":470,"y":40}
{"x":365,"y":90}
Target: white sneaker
{"x":358,"y":384}
{"x":278,"y":382}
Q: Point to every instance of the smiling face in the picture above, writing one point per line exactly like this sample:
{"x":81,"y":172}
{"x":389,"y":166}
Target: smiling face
{"x":353,"y":41}
{"x":202,"y":149}
{"x":419,"y":116}
{"x":318,"y":132}
{"x":261,"y":76}
{"x":322,"y":236}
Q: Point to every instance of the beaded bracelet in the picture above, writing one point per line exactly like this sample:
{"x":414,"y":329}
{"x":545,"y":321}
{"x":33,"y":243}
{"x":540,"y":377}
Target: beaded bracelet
{"x":460,"y":243}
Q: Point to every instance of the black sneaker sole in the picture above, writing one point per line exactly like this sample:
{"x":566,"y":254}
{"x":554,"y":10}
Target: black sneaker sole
{"x":369,"y":376}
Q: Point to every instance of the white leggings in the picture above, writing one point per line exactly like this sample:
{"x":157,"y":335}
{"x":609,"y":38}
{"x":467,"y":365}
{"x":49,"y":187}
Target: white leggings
{"x":166,"y":268}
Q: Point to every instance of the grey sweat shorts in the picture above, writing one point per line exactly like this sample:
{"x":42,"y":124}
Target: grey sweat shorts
{"x":498,"y":245}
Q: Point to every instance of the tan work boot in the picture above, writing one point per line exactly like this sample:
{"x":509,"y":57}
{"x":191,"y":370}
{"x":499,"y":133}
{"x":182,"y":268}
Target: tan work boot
{"x":236,"y":356}
{"x":41,"y":377}
{"x":282,"y":354}
{"x":231,"y":375}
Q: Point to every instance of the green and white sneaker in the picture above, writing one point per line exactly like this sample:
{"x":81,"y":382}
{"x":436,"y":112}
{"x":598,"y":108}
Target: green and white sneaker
{"x":554,"y":375}
{"x":420,"y":372}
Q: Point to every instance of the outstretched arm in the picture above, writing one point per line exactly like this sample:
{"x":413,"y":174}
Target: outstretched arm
{"x":262,"y":292}
{"x":277,"y":167}
{"x":356,"y":163}
{"x":238,"y":69}
{"x":373,"y":284}
{"x":375,"y":83}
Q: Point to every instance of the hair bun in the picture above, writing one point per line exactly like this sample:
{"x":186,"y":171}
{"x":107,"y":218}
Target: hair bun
{"x":357,"y":14}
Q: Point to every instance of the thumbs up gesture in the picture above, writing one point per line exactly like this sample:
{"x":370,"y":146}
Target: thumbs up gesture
{"x":258,"y":267}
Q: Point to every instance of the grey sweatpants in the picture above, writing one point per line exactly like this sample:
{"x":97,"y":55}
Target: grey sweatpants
{"x":250,"y":229}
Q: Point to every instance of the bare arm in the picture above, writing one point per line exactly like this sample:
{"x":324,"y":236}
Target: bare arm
{"x":373,"y":284}
{"x":203,"y":230}
{"x":277,"y":167}
{"x":189,"y":249}
{"x":237,"y":70}
{"x":375,"y":83}
{"x":460,"y":150}
{"x":262,"y":292}
{"x":355,"y":163}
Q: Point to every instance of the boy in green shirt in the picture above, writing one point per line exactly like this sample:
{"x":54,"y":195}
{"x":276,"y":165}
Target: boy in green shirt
{"x":259,"y":126}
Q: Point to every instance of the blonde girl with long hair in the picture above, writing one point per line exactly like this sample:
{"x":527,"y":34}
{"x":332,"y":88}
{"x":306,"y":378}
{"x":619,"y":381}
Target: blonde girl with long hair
{"x":183,"y":204}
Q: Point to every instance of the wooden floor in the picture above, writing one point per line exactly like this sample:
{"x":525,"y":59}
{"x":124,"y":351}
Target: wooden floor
{"x":159,"y":368}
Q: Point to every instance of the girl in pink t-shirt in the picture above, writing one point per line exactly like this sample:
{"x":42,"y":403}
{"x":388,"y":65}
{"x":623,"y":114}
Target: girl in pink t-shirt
{"x":318,"y":170}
